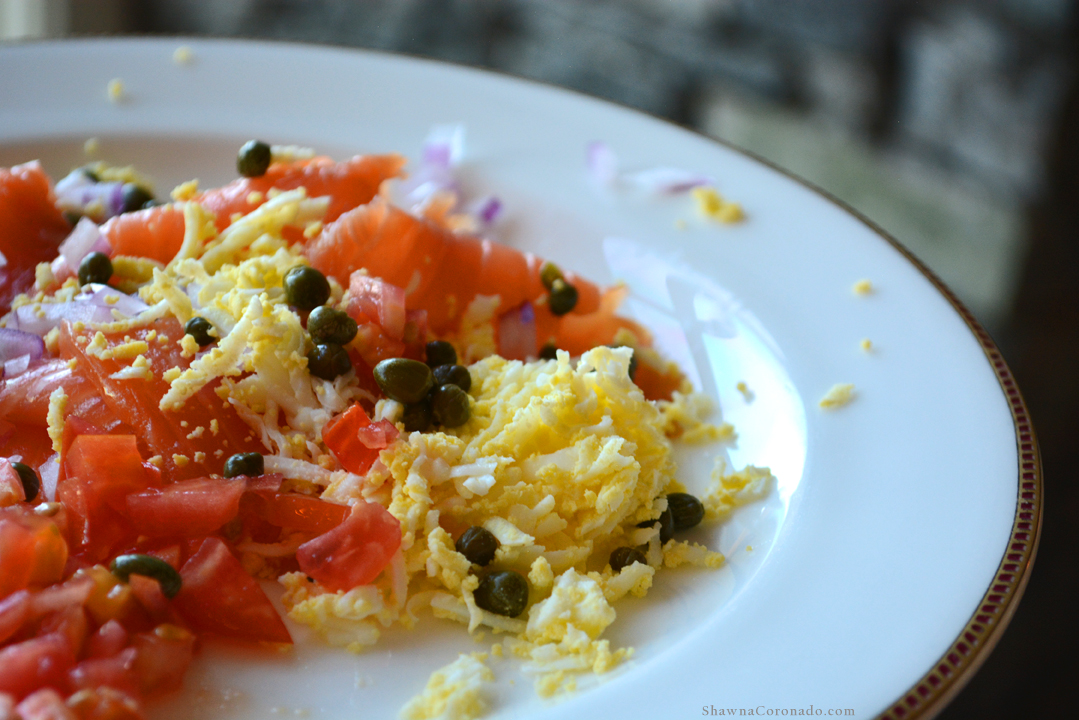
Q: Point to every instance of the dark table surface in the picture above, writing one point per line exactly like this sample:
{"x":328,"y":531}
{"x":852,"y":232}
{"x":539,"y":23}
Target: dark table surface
{"x":1032,"y":672}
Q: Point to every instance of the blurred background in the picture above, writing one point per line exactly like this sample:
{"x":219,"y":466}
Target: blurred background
{"x":952,"y":124}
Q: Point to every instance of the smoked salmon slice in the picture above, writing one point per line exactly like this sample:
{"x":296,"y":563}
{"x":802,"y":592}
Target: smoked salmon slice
{"x":441,"y":272}
{"x":158,"y":232}
{"x":186,"y":450}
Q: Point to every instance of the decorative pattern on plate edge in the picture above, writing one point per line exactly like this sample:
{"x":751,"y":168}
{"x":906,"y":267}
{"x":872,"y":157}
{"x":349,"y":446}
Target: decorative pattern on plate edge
{"x":959,"y":663}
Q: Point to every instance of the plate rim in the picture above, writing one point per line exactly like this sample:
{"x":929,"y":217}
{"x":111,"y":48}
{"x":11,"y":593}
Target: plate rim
{"x":973,"y":644}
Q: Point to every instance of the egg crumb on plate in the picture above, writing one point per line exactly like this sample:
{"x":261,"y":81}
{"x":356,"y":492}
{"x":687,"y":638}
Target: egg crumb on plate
{"x":837,"y":396}
{"x":454,"y":692}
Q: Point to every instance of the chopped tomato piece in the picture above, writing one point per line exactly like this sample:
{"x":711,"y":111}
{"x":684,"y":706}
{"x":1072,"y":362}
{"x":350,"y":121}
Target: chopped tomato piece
{"x":32,"y":550}
{"x":354,"y":552}
{"x":45,"y":704}
{"x":94,"y":529}
{"x":190,"y":508}
{"x":156,"y":608}
{"x":111,"y":465}
{"x":218,"y":596}
{"x":299,"y":512}
{"x":163,"y":657}
{"x":71,"y":623}
{"x":373,"y":345}
{"x":40,"y":662}
{"x":74,"y":427}
{"x":14,"y":611}
{"x":355,"y":441}
{"x":11,"y":489}
{"x":109,"y":640}
{"x":16,"y":553}
{"x":116,"y":671}
{"x":104,"y":703}
{"x":373,"y":300}
{"x":377,"y":435}
{"x":109,"y":599}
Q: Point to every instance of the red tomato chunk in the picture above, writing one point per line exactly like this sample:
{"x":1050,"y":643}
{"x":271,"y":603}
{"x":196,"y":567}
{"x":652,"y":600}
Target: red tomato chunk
{"x":218,"y":596}
{"x":190,"y":508}
{"x":354,"y":552}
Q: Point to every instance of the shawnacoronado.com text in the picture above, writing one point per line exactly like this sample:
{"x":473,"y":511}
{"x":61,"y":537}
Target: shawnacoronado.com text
{"x":764,"y":711}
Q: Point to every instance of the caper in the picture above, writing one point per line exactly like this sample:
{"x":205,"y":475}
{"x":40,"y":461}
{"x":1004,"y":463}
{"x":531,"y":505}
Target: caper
{"x":453,"y":375}
{"x":71,"y":217}
{"x":95,"y":268}
{"x":406,"y":381}
{"x":625,"y":556}
{"x":124,"y":566}
{"x":549,"y":351}
{"x":417,"y":417}
{"x":666,"y":525}
{"x":478,"y":544}
{"x":686,"y":510}
{"x":450,"y":406}
{"x":503,"y":593}
{"x":151,"y":203}
{"x":253,"y":159}
{"x":31,"y":483}
{"x":90,"y":174}
{"x":306,"y":288}
{"x":199,"y":328}
{"x":326,"y":325}
{"x":328,"y":361}
{"x":563,"y":297}
{"x":134,"y":197}
{"x":249,"y":464}
{"x":549,"y":272}
{"x":440,"y":352}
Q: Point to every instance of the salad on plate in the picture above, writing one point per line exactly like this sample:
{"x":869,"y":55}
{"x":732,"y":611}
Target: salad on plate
{"x":325,"y":375}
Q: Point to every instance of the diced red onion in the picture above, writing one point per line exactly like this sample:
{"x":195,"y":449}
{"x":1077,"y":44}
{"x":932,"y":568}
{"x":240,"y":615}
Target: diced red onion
{"x":377,"y":435}
{"x":602,"y":162}
{"x":3,"y":260}
{"x":444,"y":146}
{"x":77,"y":192}
{"x":487,"y":209}
{"x":61,"y":270}
{"x":668,"y":180}
{"x":49,"y":472}
{"x":16,"y":366}
{"x":517,"y":333}
{"x":83,"y":240}
{"x":18,"y":343}
{"x":52,"y":314}
{"x":126,"y":305}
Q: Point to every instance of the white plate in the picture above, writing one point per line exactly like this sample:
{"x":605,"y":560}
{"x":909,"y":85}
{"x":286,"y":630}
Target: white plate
{"x":901,"y":533}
